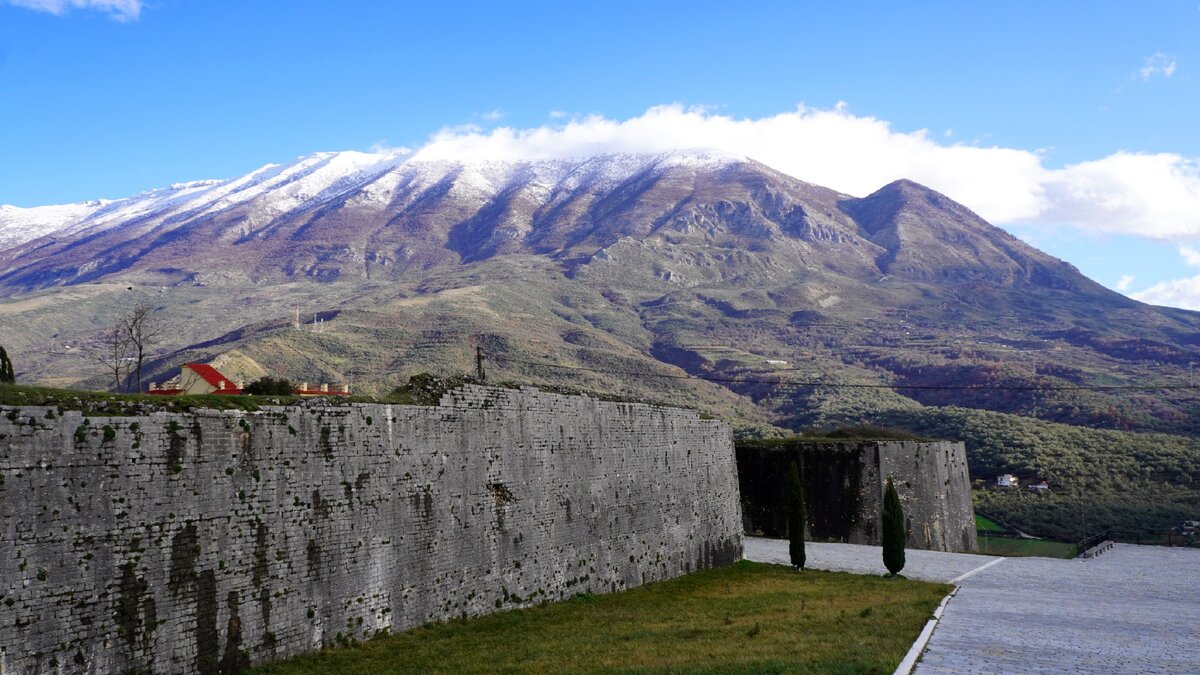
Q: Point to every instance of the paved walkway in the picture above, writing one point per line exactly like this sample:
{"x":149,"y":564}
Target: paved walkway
{"x":1135,"y":609}
{"x":927,"y":565}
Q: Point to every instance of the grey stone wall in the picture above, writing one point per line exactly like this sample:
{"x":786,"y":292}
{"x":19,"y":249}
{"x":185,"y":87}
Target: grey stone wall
{"x":212,"y":540}
{"x":844,"y":483}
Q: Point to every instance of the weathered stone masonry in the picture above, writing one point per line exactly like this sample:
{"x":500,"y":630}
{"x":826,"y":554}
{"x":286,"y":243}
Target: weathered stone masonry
{"x":844,"y":483}
{"x":208,"y":541}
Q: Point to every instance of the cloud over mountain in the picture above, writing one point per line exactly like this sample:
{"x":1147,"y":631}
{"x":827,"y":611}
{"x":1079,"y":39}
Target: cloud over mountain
{"x":1150,"y":195}
{"x":1183,"y":293}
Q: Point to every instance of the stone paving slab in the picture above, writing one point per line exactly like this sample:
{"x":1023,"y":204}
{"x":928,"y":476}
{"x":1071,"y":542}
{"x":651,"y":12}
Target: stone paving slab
{"x":925,"y":565}
{"x":1135,"y":609}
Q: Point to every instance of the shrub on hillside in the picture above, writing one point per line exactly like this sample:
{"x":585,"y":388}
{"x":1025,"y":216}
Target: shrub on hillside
{"x":269,"y":386}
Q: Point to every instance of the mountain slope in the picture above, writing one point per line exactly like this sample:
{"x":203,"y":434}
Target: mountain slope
{"x":350,"y":214}
{"x":929,"y":237}
{"x":724,"y":264}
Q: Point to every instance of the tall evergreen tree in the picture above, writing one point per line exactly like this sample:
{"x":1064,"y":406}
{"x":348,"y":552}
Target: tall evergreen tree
{"x":797,"y":516}
{"x":7,"y":374}
{"x":893,"y":530}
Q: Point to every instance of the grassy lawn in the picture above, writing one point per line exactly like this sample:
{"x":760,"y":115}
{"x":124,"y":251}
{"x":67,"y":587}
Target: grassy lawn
{"x":751,"y":617}
{"x":985,"y":524}
{"x":1042,"y":548}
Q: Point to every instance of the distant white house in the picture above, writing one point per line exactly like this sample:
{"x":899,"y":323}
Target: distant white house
{"x":1038,"y":487}
{"x":196,"y":378}
{"x":1006,"y":480}
{"x":202,"y":378}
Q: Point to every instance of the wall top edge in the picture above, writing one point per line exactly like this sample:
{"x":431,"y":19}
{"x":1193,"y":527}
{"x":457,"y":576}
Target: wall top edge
{"x":464,"y":397}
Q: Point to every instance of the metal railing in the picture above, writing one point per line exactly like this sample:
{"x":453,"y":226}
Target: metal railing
{"x":1088,"y":543}
{"x":1150,"y":538}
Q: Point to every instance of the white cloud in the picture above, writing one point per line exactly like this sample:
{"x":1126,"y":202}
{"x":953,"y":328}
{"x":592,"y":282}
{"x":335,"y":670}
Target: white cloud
{"x":493,"y":115}
{"x":1158,"y":63}
{"x":1182,"y":293}
{"x":121,"y":10}
{"x":1190,"y":255}
{"x":384,"y":148}
{"x":1124,"y":282}
{"x":1152,"y":195}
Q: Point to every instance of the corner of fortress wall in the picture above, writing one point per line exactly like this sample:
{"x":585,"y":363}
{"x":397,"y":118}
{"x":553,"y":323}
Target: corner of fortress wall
{"x":844,"y":483}
{"x":213,"y":540}
{"x":934,"y":485}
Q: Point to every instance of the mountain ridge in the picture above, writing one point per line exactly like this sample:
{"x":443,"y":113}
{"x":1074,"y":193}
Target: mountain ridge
{"x":673,"y":249}
{"x":543,"y":207}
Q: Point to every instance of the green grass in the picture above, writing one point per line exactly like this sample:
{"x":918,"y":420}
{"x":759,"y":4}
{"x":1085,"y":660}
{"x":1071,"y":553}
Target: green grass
{"x":985,"y":524}
{"x":107,"y":403}
{"x":747,"y":618}
{"x":1040,"y":548}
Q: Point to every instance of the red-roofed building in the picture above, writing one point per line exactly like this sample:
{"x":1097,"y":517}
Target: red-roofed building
{"x":201,"y":378}
{"x":197,"y":378}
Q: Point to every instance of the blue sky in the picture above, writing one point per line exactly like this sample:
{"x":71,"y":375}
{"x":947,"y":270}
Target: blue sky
{"x":1084,"y":115}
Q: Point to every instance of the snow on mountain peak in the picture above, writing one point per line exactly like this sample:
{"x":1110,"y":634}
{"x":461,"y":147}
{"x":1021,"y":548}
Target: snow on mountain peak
{"x":19,"y":225}
{"x":310,"y":180}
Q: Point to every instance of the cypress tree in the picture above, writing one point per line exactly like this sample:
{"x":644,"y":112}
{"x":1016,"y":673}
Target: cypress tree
{"x":893,"y":530}
{"x":796,"y":516}
{"x":7,"y":374}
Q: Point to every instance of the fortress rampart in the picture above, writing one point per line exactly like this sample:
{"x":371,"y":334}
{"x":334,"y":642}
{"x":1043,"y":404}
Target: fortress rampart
{"x":212,"y":540}
{"x":843,"y":486}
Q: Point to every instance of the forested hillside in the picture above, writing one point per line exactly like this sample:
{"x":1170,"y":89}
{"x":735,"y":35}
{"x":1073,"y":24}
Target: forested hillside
{"x":1098,"y":478}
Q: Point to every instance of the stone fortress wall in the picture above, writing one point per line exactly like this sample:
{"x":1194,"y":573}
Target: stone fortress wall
{"x":208,"y":541}
{"x":844,"y":483}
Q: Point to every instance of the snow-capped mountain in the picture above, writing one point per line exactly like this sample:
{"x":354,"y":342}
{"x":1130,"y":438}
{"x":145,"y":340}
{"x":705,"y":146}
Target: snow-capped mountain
{"x":346,"y":215}
{"x":375,"y":208}
{"x":311,"y":175}
{"x":655,"y":257}
{"x":277,"y":190}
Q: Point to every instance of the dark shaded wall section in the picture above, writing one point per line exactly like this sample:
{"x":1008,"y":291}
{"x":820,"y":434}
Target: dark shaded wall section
{"x":843,"y":485}
{"x":209,"y":541}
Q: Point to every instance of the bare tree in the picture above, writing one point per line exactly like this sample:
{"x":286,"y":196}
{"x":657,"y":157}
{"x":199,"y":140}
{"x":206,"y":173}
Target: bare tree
{"x":122,"y":346}
{"x":142,"y":329}
{"x":112,"y":350}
